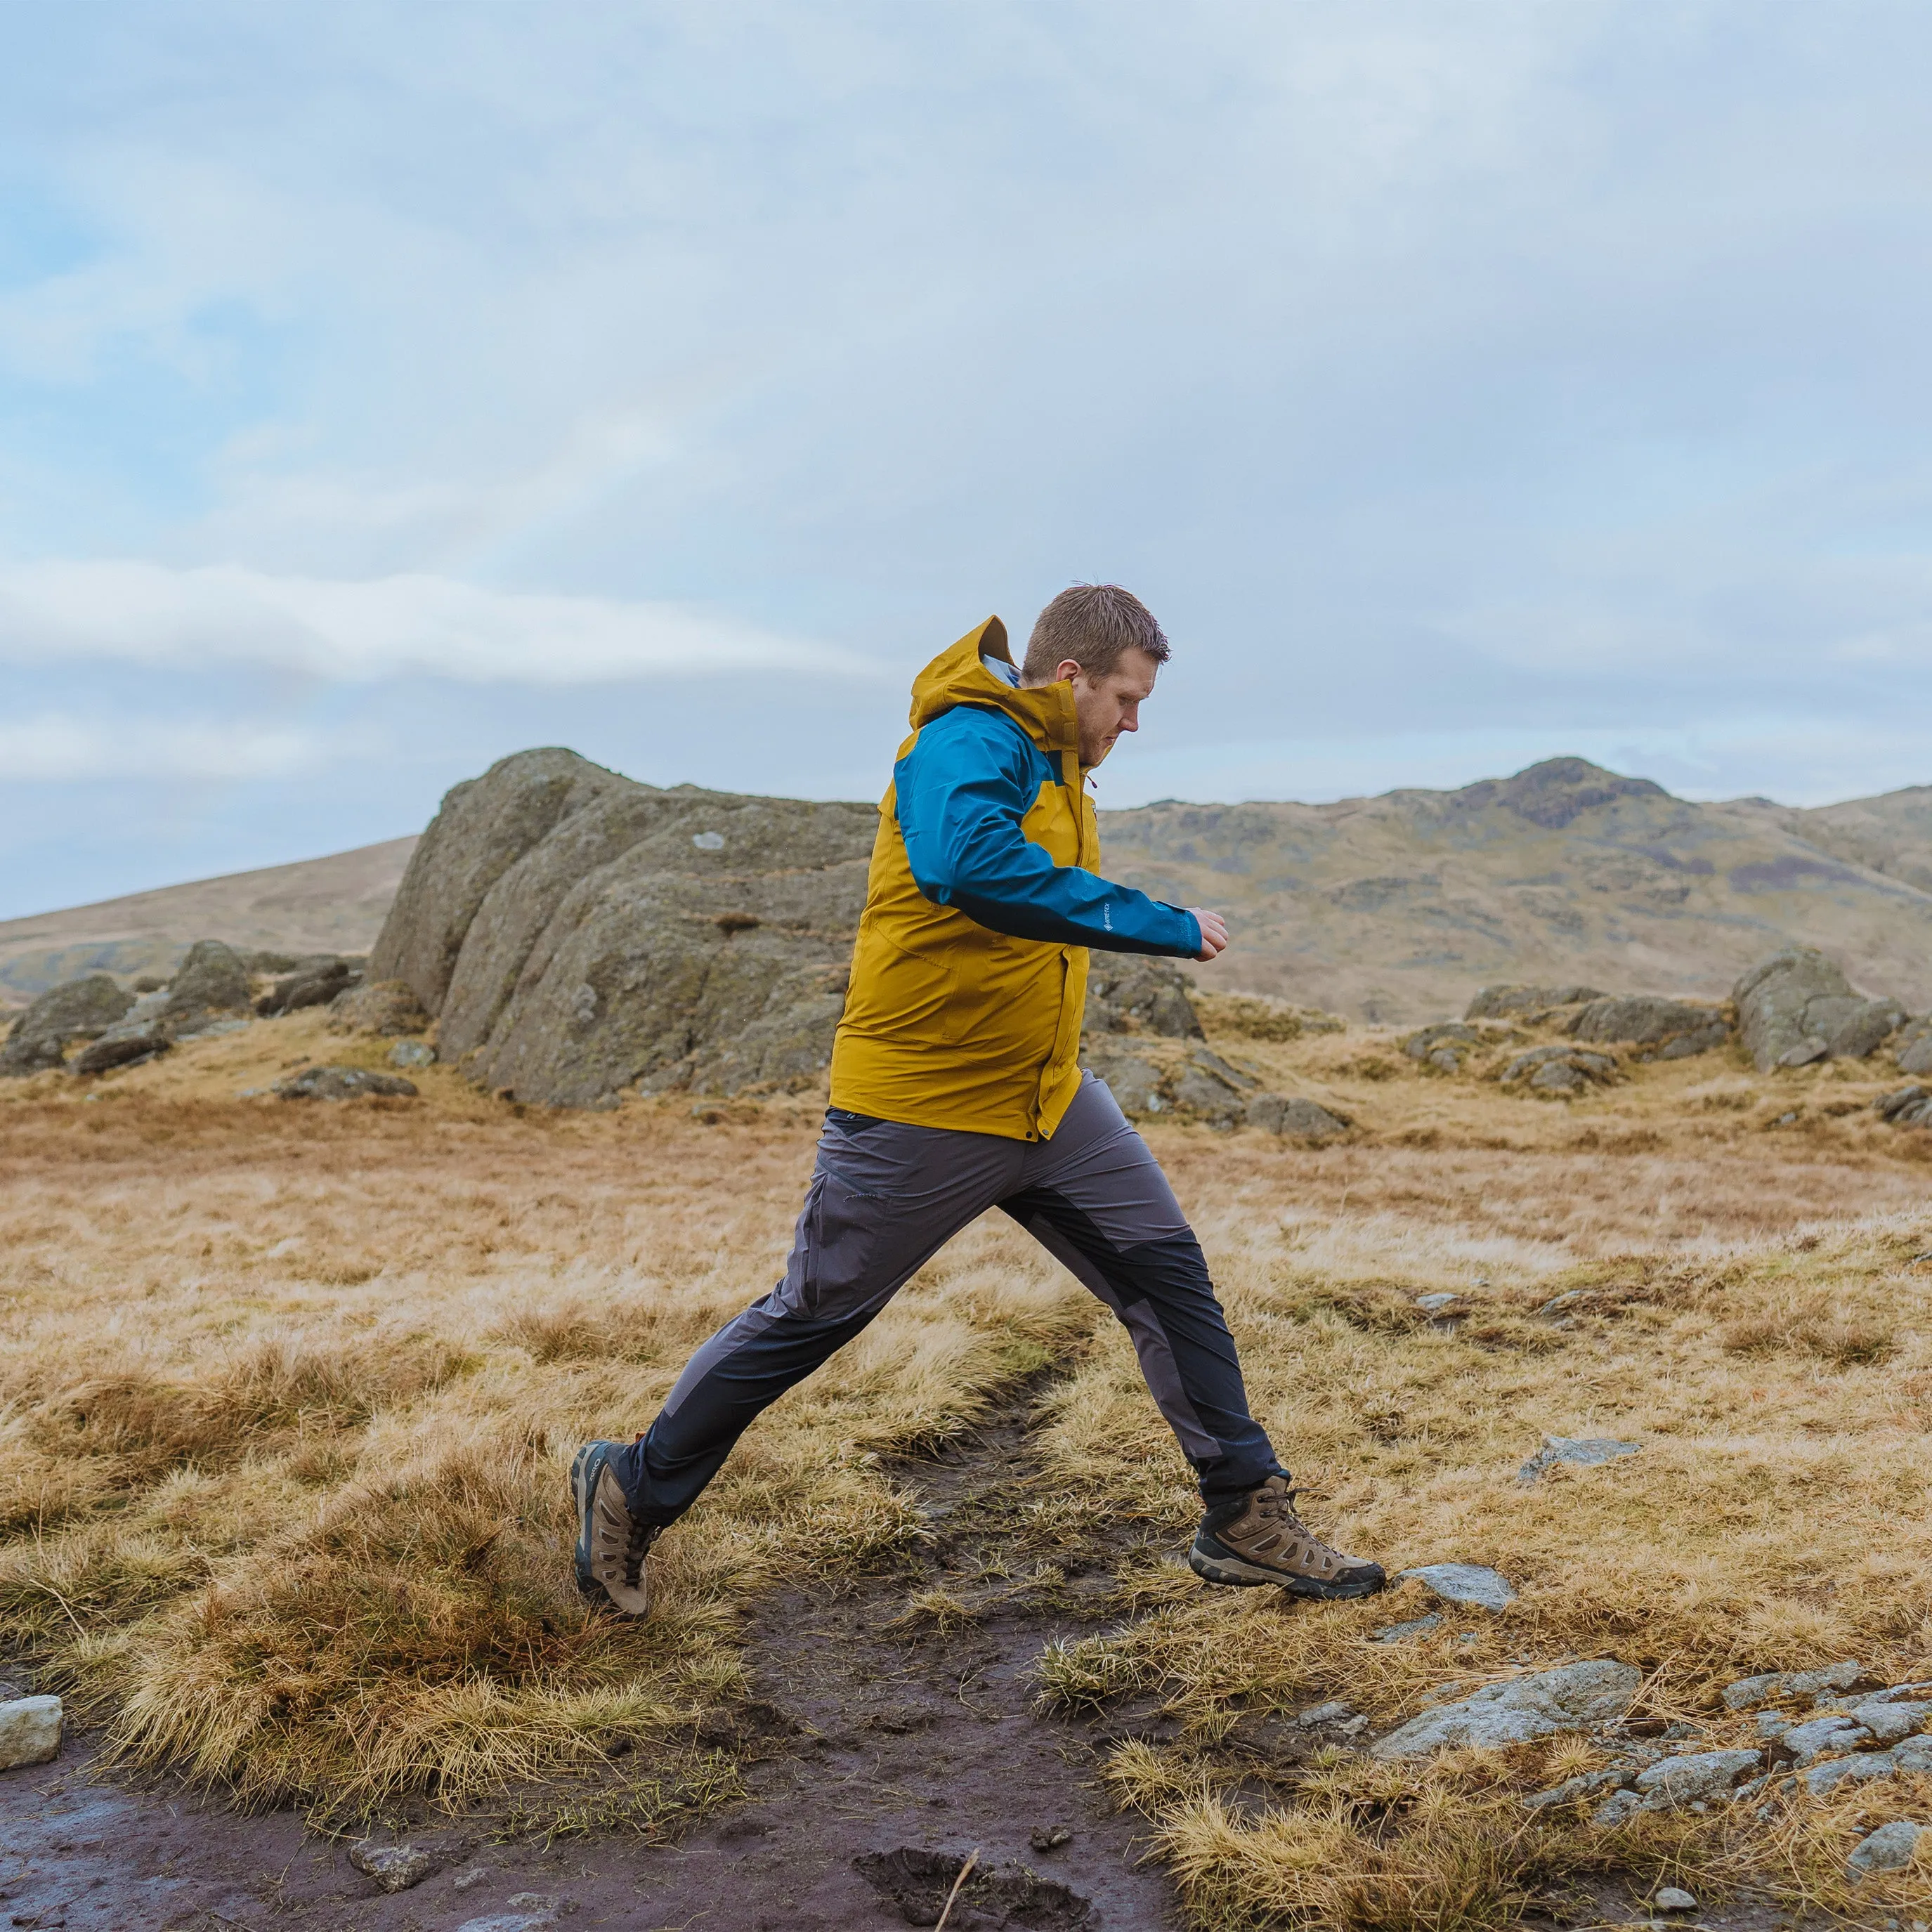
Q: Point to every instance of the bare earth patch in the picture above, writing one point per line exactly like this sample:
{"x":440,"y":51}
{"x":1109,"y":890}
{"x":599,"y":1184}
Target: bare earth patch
{"x":290,"y":1389}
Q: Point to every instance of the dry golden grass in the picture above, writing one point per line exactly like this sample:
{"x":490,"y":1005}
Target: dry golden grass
{"x":290,"y":1392}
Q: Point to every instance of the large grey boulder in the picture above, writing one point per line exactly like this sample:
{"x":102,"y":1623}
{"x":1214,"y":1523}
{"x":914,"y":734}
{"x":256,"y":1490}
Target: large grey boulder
{"x":1535,"y":1706}
{"x":212,"y":983}
{"x":576,"y":933}
{"x":1669,"y":1029}
{"x":1797,"y":1007}
{"x":81,"y":1010}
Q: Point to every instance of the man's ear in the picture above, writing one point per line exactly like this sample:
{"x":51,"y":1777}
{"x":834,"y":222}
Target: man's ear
{"x":1066,"y":670}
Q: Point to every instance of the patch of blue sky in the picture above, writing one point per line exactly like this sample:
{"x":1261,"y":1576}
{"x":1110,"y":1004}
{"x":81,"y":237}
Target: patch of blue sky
{"x":126,"y":450}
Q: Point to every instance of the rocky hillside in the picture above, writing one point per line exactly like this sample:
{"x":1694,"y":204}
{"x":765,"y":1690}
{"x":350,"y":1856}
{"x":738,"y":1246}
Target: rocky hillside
{"x":1398,"y":908}
{"x":332,"y":905}
{"x":1394,"y":909}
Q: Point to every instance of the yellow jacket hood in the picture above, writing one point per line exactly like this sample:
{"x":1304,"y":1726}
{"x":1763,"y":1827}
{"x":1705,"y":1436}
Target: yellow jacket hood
{"x":957,"y":677}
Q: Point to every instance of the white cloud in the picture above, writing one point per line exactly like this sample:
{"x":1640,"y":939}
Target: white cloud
{"x":130,"y":612}
{"x":59,"y":749}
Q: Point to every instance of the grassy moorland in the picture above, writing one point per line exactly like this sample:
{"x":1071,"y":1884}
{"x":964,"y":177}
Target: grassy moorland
{"x":289,"y":1391}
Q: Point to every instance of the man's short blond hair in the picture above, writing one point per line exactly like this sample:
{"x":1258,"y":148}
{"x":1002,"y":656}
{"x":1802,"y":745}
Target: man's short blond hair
{"x":1094,"y":625}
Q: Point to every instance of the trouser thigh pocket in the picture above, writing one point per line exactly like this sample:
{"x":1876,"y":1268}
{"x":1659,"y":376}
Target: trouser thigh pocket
{"x":841,"y":1256}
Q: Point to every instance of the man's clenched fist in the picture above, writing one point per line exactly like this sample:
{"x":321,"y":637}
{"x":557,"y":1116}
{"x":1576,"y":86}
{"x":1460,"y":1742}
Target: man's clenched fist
{"x":1213,"y":933}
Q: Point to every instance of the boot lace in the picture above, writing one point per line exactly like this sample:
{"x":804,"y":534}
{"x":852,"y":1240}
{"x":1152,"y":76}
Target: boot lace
{"x":1279,"y":1504}
{"x":637,"y":1547}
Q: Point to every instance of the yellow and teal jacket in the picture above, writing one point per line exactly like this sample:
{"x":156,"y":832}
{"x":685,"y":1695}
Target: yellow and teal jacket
{"x":969,"y":979}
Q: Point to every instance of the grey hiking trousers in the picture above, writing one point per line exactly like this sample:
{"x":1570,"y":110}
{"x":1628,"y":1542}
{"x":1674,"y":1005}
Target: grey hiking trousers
{"x":883,"y":1199}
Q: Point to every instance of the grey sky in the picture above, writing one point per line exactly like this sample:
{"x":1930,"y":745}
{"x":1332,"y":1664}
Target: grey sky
{"x":385,"y":389}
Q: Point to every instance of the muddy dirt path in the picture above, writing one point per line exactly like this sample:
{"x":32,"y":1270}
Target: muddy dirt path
{"x":878,"y":1751}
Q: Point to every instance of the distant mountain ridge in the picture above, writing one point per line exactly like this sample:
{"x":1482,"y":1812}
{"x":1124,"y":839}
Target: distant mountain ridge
{"x":1397,"y":908}
{"x":1394,"y":908}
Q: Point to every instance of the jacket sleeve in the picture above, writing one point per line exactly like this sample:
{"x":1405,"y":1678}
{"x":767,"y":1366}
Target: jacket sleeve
{"x":961,"y":792}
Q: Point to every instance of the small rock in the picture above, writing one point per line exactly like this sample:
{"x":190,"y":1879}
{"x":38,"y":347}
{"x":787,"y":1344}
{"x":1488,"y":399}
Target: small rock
{"x":1443,"y":1045}
{"x":395,"y":1867}
{"x":1914,"y":1755}
{"x":1889,"y":1849}
{"x":313,"y":982}
{"x":1534,"y":1706}
{"x":412,"y":1053}
{"x":1697,"y":1774}
{"x":1294,"y":1117}
{"x":382,"y":1007}
{"x":1049,"y":1838}
{"x":1824,"y":1737}
{"x":1470,"y":1583}
{"x":126,"y":1044}
{"x":1431,"y":1302}
{"x":1415,"y":1627}
{"x":1324,"y":1713}
{"x":1674,"y":1898}
{"x":30,"y":1731}
{"x":1587,"y":1452}
{"x":1748,"y":1692}
{"x":464,"y":1880}
{"x":1572,"y":1788}
{"x":1616,"y":1809}
{"x":528,"y":1910}
{"x":1860,"y":1767}
{"x":1888,"y":1722}
{"x":341,"y":1083}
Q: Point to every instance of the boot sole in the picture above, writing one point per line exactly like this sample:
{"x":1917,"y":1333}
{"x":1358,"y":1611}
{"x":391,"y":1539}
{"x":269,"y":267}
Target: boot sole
{"x":1234,"y":1573}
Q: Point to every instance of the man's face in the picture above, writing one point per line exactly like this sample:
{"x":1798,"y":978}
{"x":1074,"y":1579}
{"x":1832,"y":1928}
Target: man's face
{"x":1108,"y":705}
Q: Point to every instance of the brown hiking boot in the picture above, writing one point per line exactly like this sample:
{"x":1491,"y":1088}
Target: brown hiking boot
{"x":611,"y":1544}
{"x":1259,"y":1539}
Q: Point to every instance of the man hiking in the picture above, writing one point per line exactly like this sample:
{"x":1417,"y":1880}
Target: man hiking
{"x":956,"y":1086}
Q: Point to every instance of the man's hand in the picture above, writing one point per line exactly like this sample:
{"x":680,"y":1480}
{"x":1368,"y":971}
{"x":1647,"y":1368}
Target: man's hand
{"x":1213,"y":933}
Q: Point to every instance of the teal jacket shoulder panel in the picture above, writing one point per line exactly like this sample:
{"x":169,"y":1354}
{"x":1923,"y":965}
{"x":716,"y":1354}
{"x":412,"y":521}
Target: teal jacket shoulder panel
{"x":962,"y":790}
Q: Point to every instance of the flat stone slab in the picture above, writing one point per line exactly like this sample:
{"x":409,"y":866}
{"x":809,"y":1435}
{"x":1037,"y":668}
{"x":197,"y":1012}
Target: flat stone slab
{"x":1536,"y":1706}
{"x":1469,"y":1583}
{"x":1586,"y":1452}
{"x":1773,"y":1686}
{"x":1415,"y":1627}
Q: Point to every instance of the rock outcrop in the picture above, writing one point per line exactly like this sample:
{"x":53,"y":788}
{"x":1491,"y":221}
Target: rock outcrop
{"x":1797,"y":1007}
{"x":342,"y":1083}
{"x":1662,"y":1029}
{"x":576,"y":933}
{"x":1127,"y":992}
{"x":83,"y":1010}
{"x":1569,"y":1699}
{"x":212,"y":984}
{"x":1533,"y":1004}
